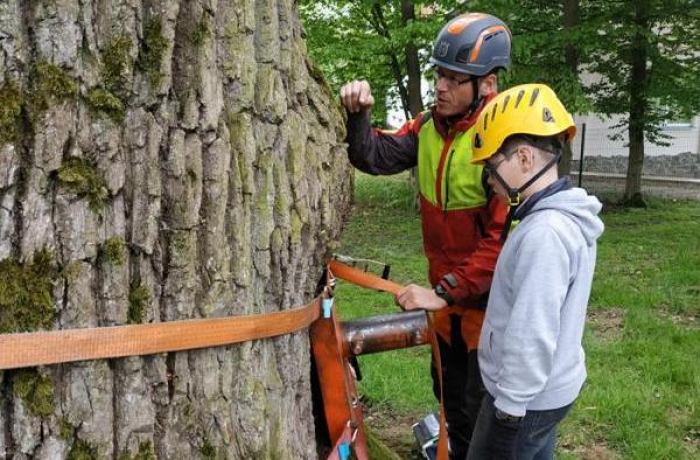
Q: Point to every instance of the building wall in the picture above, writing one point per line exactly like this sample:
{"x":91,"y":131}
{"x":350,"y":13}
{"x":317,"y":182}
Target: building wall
{"x":685,"y":138}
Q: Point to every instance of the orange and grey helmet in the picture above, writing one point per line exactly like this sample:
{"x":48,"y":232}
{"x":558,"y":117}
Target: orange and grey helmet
{"x":532,"y":109}
{"x":474,"y":44}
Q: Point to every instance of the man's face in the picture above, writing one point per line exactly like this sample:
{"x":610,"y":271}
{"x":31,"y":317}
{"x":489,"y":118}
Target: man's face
{"x":454,"y":92}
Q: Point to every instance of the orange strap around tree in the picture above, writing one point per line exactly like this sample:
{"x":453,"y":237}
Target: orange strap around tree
{"x":367,"y":280}
{"x":53,"y":347}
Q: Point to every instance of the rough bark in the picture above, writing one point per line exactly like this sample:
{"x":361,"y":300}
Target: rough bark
{"x":170,"y":159}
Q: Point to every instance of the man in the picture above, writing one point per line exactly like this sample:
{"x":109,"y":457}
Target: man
{"x":461,"y":223}
{"x":530,"y":352}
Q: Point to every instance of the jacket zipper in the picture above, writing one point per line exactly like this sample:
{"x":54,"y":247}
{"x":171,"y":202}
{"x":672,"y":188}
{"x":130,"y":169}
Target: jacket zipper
{"x":446,"y":175}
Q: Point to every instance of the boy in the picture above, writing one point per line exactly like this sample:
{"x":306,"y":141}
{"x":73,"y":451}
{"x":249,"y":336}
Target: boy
{"x":530,"y":353}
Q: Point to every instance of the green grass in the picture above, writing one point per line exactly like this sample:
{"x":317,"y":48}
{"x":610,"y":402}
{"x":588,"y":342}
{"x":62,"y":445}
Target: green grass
{"x":642,"y":398}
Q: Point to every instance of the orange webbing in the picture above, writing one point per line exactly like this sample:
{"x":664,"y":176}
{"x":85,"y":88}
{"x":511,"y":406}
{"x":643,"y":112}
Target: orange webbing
{"x":361,"y":278}
{"x":52,"y":347}
{"x":364,"y":279}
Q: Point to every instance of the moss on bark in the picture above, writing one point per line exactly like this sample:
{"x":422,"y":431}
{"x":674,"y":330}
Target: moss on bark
{"x":11,"y":101}
{"x":26,"y":302}
{"x":79,"y":175}
{"x":113,"y":251}
{"x":35,"y":391}
{"x":152,"y":51}
{"x":138,"y":301}
{"x":50,"y":85}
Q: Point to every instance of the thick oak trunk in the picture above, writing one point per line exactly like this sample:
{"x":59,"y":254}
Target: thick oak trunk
{"x":162,"y":160}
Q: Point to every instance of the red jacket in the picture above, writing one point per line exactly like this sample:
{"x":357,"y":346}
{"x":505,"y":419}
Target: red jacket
{"x":461,"y":220}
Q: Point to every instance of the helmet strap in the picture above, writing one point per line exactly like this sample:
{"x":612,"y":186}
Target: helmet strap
{"x":515,"y":194}
{"x":477,"y":97}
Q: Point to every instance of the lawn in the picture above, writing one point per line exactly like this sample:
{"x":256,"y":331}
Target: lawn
{"x":642,"y":398}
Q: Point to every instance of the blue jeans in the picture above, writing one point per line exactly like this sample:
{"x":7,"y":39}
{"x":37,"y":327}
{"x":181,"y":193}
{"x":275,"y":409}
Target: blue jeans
{"x":536,"y":436}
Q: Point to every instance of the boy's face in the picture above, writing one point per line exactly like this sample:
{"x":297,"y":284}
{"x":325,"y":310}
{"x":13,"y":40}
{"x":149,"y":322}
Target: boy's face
{"x":454,"y":92}
{"x":510,"y":167}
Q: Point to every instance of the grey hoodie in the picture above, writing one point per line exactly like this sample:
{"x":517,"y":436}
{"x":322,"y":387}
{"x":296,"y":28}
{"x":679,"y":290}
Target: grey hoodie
{"x":530,"y":346}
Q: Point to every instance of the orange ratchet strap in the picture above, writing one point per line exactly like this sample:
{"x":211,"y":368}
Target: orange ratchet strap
{"x":367,"y":280}
{"x":53,"y":347}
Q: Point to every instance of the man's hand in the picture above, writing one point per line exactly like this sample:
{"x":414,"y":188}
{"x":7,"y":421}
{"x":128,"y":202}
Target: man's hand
{"x":414,"y":297}
{"x":356,"y":96}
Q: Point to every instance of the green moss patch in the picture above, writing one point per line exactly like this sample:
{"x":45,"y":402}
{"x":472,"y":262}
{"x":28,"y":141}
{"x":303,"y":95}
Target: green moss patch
{"x":35,"y":391}
{"x":82,"y":450}
{"x":25,"y":293}
{"x":50,"y":85}
{"x":113,"y":251}
{"x":79,"y":175}
{"x":152,"y":49}
{"x":202,"y":31}
{"x":11,"y":101}
{"x":117,"y":63}
{"x":100,"y":100}
{"x":146,"y":452}
{"x":138,"y":301}
{"x":208,"y":450}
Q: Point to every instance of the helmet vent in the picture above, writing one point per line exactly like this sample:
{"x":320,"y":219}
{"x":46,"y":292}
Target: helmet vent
{"x":486,"y":122}
{"x":533,"y":98}
{"x":505,"y":104}
{"x":547,"y":115}
{"x":477,"y":139}
{"x":521,"y":93}
{"x":493,"y":112}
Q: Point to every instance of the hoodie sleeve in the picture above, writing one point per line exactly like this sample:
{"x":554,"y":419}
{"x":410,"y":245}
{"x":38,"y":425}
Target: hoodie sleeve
{"x":539,"y":283}
{"x":472,"y":278}
{"x":381,"y":152}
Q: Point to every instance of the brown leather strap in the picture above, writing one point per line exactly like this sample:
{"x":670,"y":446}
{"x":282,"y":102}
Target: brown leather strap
{"x":370,"y":281}
{"x":40,"y":348}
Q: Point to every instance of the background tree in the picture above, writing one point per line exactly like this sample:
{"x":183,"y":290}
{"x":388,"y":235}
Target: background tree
{"x":644,"y":63}
{"x":634,"y":59}
{"x":384,"y":42}
{"x":162,"y":160}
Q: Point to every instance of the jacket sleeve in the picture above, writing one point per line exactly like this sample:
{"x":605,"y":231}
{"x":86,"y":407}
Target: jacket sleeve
{"x":472,"y":278}
{"x":381,"y":152}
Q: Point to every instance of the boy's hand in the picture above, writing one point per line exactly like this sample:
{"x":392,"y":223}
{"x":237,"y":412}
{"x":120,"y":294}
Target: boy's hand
{"x":356,"y":96}
{"x":414,"y":297}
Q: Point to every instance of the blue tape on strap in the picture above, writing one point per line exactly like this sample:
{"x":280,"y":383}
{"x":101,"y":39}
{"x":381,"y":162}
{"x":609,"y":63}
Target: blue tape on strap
{"x":327,"y":305}
{"x":344,"y":451}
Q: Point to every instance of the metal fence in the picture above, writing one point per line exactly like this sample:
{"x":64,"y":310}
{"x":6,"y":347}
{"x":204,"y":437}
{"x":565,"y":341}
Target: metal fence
{"x":671,"y":172}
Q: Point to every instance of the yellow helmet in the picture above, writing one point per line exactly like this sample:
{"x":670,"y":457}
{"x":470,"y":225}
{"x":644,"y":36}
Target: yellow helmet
{"x":526,"y":109}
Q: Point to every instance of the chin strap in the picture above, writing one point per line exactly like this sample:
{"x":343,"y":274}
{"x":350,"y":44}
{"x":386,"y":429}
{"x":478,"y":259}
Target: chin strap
{"x":477,"y":97}
{"x":515,"y":194}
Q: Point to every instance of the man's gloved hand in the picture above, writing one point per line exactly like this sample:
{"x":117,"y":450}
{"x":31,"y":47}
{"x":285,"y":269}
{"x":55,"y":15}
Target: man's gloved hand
{"x":503,"y":436}
{"x":356,"y":96}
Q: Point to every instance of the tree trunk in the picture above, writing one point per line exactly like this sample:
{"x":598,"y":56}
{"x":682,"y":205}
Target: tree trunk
{"x":571,"y":21}
{"x":415,"y":99}
{"x":637,"y":88}
{"x":162,"y":160}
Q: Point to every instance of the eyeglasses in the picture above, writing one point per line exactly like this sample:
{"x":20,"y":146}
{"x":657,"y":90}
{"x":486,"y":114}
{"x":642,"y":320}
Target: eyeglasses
{"x":450,"y":80}
{"x":492,"y":168}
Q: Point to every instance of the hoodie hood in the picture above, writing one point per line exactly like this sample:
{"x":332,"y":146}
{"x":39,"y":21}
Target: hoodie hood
{"x":580,"y":207}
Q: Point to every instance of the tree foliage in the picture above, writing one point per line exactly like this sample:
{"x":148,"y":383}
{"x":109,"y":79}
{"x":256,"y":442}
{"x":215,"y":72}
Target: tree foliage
{"x":363,"y":39}
{"x":585,"y":49}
